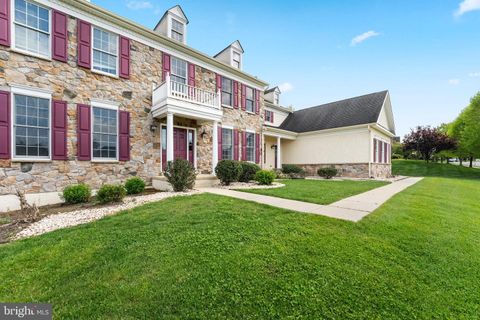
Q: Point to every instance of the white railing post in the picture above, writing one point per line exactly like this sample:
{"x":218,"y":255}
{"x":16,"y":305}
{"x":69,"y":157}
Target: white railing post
{"x":167,"y":82}
{"x":219,"y":98}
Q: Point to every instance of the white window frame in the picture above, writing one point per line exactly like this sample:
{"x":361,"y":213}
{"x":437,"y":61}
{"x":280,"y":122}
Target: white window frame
{"x":269,"y":119}
{"x":233,"y":61}
{"x":254,"y":145}
{"x":232,"y":102}
{"x":254,"y":99}
{"x":172,"y":19}
{"x":36,"y":93}
{"x":233,"y":141}
{"x":117,"y":56}
{"x":104,"y":105}
{"x":186,"y":69}
{"x":276,"y":98}
{"x":12,"y":32}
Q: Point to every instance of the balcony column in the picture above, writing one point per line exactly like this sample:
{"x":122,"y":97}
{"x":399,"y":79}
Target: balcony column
{"x":215,"y":146}
{"x":169,"y":136}
{"x":279,"y":153}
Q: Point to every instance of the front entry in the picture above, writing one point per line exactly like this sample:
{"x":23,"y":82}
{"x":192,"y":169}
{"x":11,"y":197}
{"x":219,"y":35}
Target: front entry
{"x":183,"y":145}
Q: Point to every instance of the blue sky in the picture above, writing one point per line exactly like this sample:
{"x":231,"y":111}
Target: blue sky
{"x":426,"y":52}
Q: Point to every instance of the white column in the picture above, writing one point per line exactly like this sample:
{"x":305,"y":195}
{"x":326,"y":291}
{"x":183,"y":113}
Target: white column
{"x":215,"y":146}
{"x":279,"y":153}
{"x":169,"y":137}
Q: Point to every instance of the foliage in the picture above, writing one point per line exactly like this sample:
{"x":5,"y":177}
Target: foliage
{"x":291,"y":168}
{"x":426,"y":141}
{"x":327,"y":173}
{"x":111,"y":193}
{"x":397,"y":149}
{"x":228,"y":171}
{"x":135,"y":185}
{"x":265,"y":177}
{"x":248,"y":171}
{"x":180,"y":174}
{"x":78,"y":193}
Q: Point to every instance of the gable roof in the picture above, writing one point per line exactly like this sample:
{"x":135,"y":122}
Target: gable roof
{"x":273,"y":89}
{"x":237,"y":42}
{"x":349,"y":112}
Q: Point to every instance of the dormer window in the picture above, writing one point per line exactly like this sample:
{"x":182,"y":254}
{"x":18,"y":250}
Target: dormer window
{"x":276,"y":99}
{"x":236,"y":59}
{"x":178,"y":30}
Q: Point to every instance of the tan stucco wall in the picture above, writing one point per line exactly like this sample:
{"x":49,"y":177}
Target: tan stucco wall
{"x":269,"y":155}
{"x":278,"y":117}
{"x":335,"y":147}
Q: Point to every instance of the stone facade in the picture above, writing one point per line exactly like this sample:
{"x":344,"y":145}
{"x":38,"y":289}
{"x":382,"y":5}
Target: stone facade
{"x":351,"y":170}
{"x":381,"y":170}
{"x":76,"y":85}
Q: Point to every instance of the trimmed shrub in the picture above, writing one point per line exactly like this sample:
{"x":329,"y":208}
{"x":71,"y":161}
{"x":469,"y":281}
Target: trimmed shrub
{"x":78,"y":193}
{"x":180,"y":174}
{"x":228,"y":171}
{"x":248,"y":171}
{"x":265,"y":177}
{"x":135,"y":185}
{"x":111,"y":193}
{"x":291,"y":168}
{"x":327,"y":173}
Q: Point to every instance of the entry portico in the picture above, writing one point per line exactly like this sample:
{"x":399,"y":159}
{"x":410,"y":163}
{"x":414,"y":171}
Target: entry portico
{"x":273,"y":137}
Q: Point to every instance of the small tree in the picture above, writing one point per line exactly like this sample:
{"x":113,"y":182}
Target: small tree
{"x":426,"y":141}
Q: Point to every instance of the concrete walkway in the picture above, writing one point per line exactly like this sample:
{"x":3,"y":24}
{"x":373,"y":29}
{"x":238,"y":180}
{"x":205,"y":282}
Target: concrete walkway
{"x":351,"y":209}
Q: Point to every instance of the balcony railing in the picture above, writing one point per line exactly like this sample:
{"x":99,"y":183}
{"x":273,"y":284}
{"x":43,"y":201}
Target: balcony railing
{"x":184,"y":92}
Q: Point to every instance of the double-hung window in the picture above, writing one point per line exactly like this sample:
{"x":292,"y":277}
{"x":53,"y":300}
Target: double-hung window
{"x":227,"y":144}
{"x":250,"y":146}
{"x":31,"y":127}
{"x":179,"y":70}
{"x":177,"y":30}
{"x":32,"y":28}
{"x":105,"y":51}
{"x":236,"y":60}
{"x":227,"y":92}
{"x":268,"y":116}
{"x":250,"y":99}
{"x":105,"y":133}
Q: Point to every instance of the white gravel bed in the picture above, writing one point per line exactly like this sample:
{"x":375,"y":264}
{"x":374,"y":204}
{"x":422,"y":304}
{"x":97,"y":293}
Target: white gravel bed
{"x":250,"y":185}
{"x":73,"y":218}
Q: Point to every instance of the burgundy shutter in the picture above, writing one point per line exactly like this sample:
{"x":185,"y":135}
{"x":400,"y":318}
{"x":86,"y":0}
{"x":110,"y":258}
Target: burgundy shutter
{"x":124,"y":136}
{"x":84,"y":37}
{"x":385,"y":147}
{"x":272,"y":114}
{"x":244,"y":146}
{"x":380,"y":151}
{"x":257,"y":148}
{"x":124,"y":58}
{"x":59,"y":36}
{"x":5,"y":124}
{"x":235,"y":94}
{"x":165,"y":65}
{"x":374,"y":150}
{"x":83,"y":132}
{"x":219,"y":138}
{"x":59,"y":130}
{"x":5,"y":23}
{"x":235,"y":144}
{"x":244,"y":97}
{"x":257,"y":101}
{"x":191,"y":74}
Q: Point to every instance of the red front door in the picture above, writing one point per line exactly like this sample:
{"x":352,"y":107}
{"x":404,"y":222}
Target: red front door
{"x":183,"y":145}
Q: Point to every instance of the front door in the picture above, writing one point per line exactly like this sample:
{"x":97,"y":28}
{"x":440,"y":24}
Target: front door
{"x":183,"y":145}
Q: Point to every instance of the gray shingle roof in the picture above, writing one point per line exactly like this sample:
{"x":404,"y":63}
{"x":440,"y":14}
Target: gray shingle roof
{"x":354,"y":111}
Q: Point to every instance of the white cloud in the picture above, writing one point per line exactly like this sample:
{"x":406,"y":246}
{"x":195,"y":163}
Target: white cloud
{"x":139,"y":5}
{"x":454,"y":82}
{"x":467,"y":6}
{"x":364,"y":36}
{"x":285,"y":87}
{"x":475,"y":74}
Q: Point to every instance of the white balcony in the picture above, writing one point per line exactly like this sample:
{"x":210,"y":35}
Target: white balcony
{"x":184,"y":100}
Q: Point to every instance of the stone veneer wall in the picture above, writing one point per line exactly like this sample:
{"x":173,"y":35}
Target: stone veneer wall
{"x":352,"y":170}
{"x":381,"y":170}
{"x":77,"y":85}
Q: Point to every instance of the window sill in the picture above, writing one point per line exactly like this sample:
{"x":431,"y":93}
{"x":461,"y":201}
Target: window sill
{"x":251,"y":112}
{"x":104,"y":161}
{"x":31,"y":54}
{"x":227,"y":106}
{"x":105,"y":73}
{"x":30,"y":160}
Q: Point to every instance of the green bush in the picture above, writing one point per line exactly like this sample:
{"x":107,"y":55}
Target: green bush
{"x":111,"y":193}
{"x":291,"y":168}
{"x":265,"y":177}
{"x":327,"y":173}
{"x":78,"y":193}
{"x":135,"y":185}
{"x":180,"y":174}
{"x":228,"y":171}
{"x":248,"y":171}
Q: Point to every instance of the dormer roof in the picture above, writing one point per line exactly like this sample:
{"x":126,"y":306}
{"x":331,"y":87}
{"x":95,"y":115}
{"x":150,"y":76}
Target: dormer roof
{"x":176,"y":11}
{"x":235,"y":44}
{"x":276,"y":89}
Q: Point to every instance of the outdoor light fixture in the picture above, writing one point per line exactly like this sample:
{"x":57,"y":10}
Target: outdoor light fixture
{"x":153,"y":127}
{"x":203,"y":133}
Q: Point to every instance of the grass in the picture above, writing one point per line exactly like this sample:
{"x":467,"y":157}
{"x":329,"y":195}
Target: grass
{"x":419,"y":168}
{"x":318,"y":191}
{"x":211,"y":257}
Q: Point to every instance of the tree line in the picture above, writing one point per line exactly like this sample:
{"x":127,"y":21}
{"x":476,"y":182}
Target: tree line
{"x":458,"y":139}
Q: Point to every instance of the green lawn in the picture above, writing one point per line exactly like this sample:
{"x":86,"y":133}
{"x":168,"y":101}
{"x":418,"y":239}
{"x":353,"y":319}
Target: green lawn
{"x":318,"y":191}
{"x":420,"y":168}
{"x":211,"y":257}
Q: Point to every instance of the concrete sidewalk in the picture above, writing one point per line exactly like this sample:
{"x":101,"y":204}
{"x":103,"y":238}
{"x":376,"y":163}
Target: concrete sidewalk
{"x":351,"y":209}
